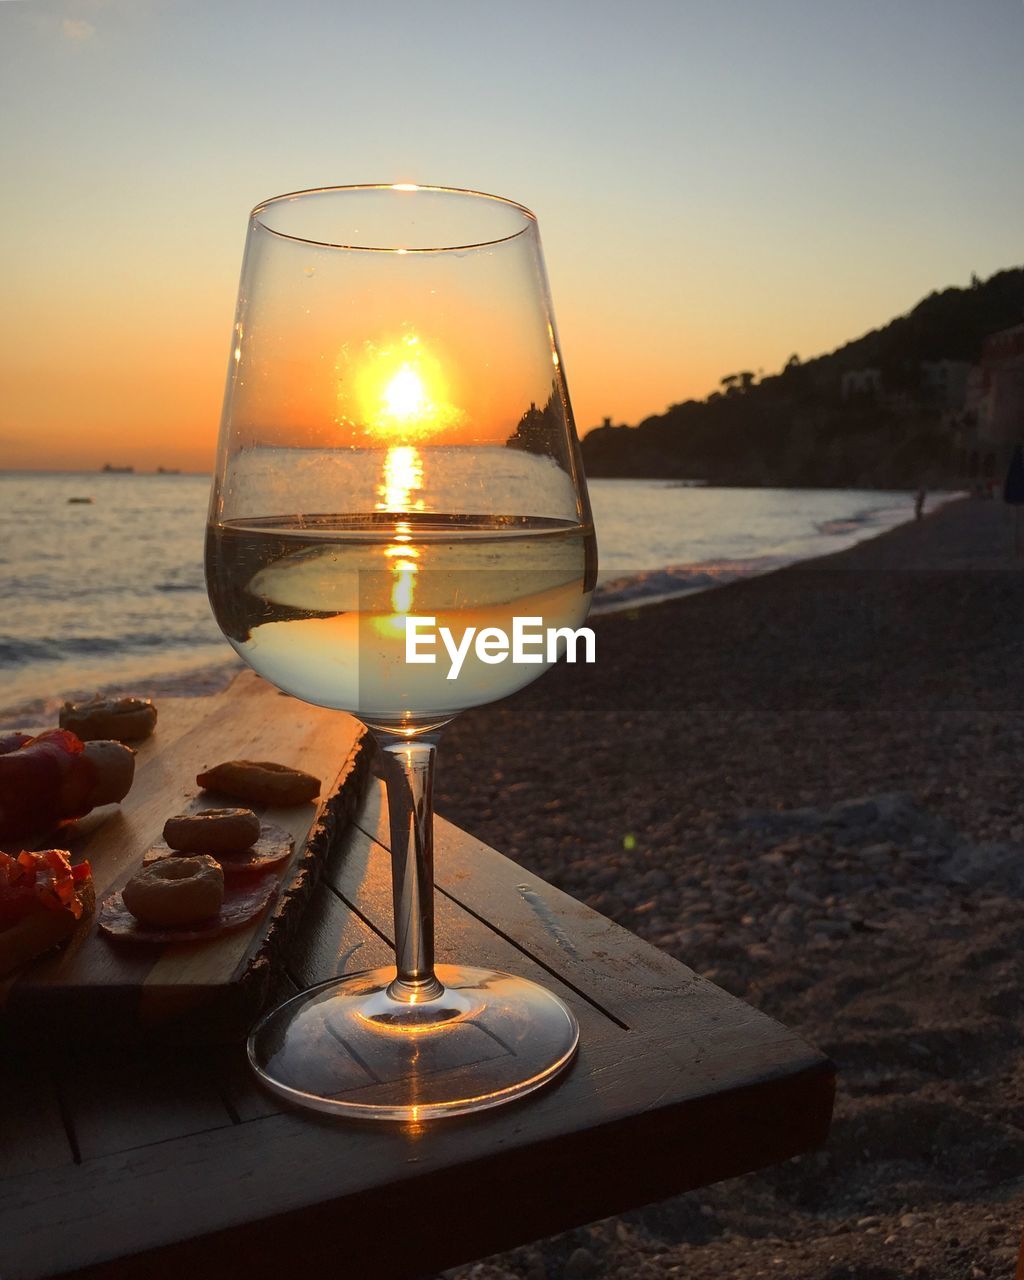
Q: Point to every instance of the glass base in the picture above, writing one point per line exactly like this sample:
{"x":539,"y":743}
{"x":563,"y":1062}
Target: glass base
{"x":349,"y":1048}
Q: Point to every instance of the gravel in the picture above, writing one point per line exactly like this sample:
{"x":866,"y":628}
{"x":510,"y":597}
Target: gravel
{"x":810,"y":788}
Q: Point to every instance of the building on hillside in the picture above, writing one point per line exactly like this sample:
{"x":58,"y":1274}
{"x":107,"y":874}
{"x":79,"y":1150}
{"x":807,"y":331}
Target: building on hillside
{"x":992,"y":420}
{"x":974,"y":393}
{"x":1001,"y":417}
{"x":944,"y":383}
{"x":860,"y":382}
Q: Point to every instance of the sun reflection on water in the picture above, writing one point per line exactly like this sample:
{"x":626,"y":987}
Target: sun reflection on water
{"x":401,"y":479}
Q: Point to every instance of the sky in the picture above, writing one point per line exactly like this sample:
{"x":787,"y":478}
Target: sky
{"x":719,"y":183}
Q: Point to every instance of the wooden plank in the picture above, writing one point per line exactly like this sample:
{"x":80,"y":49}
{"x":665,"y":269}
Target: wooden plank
{"x":128,"y":1098}
{"x":240,"y":1201}
{"x":204,"y":989}
{"x":334,"y":940}
{"x":230,"y":1070}
{"x":576,"y":951}
{"x":551,"y":938}
{"x":617,"y":1140}
{"x":634,"y":983}
{"x":359,"y":870}
{"x":33,"y":1135}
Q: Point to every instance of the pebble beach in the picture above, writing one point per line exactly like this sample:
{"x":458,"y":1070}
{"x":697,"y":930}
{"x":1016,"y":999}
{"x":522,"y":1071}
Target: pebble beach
{"x":809,"y":787}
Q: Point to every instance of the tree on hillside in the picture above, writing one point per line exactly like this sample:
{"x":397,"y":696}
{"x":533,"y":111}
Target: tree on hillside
{"x":795,"y":426}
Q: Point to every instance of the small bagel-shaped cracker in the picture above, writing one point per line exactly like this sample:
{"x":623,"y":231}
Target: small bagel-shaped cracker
{"x":123,"y":719}
{"x":213,"y":831}
{"x":261,"y":782}
{"x":176,"y":891}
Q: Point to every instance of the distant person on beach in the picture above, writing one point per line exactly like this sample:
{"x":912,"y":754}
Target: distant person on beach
{"x":922,"y":493}
{"x":1013,"y":495}
{"x":1013,"y":486}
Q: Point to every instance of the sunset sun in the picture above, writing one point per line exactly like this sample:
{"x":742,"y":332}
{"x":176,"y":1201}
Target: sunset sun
{"x":405,"y":395}
{"x":397,"y":390}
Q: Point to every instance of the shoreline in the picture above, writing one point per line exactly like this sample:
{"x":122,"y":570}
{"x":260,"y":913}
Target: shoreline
{"x":732,"y":573}
{"x":191,"y":683}
{"x":207,"y":677}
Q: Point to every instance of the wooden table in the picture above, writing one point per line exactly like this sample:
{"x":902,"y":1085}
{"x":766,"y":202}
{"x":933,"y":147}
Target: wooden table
{"x":141,"y":1162}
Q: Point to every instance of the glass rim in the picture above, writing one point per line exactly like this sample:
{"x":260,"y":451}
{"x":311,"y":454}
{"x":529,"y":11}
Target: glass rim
{"x":529,"y":217}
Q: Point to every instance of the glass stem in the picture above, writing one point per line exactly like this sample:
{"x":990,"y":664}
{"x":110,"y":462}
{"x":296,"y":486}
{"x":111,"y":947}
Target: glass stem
{"x":409,"y":778}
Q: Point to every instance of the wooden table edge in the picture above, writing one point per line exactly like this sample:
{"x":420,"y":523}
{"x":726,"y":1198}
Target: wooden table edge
{"x":792,"y":1111}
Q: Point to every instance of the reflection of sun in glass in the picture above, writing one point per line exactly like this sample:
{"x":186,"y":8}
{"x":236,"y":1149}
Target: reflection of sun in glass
{"x":401,"y":478}
{"x":396,"y":388}
{"x":405,"y":394}
{"x":402,"y":591}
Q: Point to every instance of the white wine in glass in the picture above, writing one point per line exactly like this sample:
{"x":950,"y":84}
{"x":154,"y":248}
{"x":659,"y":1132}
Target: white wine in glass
{"x":397,"y":449}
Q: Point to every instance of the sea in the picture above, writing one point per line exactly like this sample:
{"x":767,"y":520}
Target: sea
{"x":102,"y":574}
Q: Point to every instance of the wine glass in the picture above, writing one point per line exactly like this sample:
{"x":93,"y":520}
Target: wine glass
{"x":397,"y":448}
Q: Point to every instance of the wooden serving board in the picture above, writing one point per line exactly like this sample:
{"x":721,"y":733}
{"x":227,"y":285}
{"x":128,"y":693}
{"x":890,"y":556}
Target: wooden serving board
{"x":202,"y":991}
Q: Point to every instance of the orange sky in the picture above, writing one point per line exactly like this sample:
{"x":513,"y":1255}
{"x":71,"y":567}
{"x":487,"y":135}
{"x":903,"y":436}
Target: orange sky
{"x":717,"y":186}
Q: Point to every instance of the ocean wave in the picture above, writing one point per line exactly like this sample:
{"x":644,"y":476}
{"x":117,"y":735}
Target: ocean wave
{"x":21,"y":651}
{"x":859,"y":520}
{"x":60,"y":589}
{"x":18,"y":651}
{"x":645,"y":586}
{"x":848,"y":525}
{"x":36,"y":585}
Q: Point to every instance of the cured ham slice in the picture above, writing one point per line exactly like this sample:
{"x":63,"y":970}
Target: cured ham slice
{"x":245,"y":899}
{"x":274,"y":846}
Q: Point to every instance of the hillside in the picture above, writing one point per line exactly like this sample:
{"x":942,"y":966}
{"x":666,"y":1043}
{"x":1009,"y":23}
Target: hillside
{"x":795,"y":428}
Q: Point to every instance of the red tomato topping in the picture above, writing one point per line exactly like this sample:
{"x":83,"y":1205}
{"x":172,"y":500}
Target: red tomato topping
{"x":38,"y":879}
{"x":63,"y":738}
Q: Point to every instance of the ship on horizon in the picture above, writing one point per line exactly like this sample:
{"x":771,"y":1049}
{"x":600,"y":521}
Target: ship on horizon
{"x":119,"y":471}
